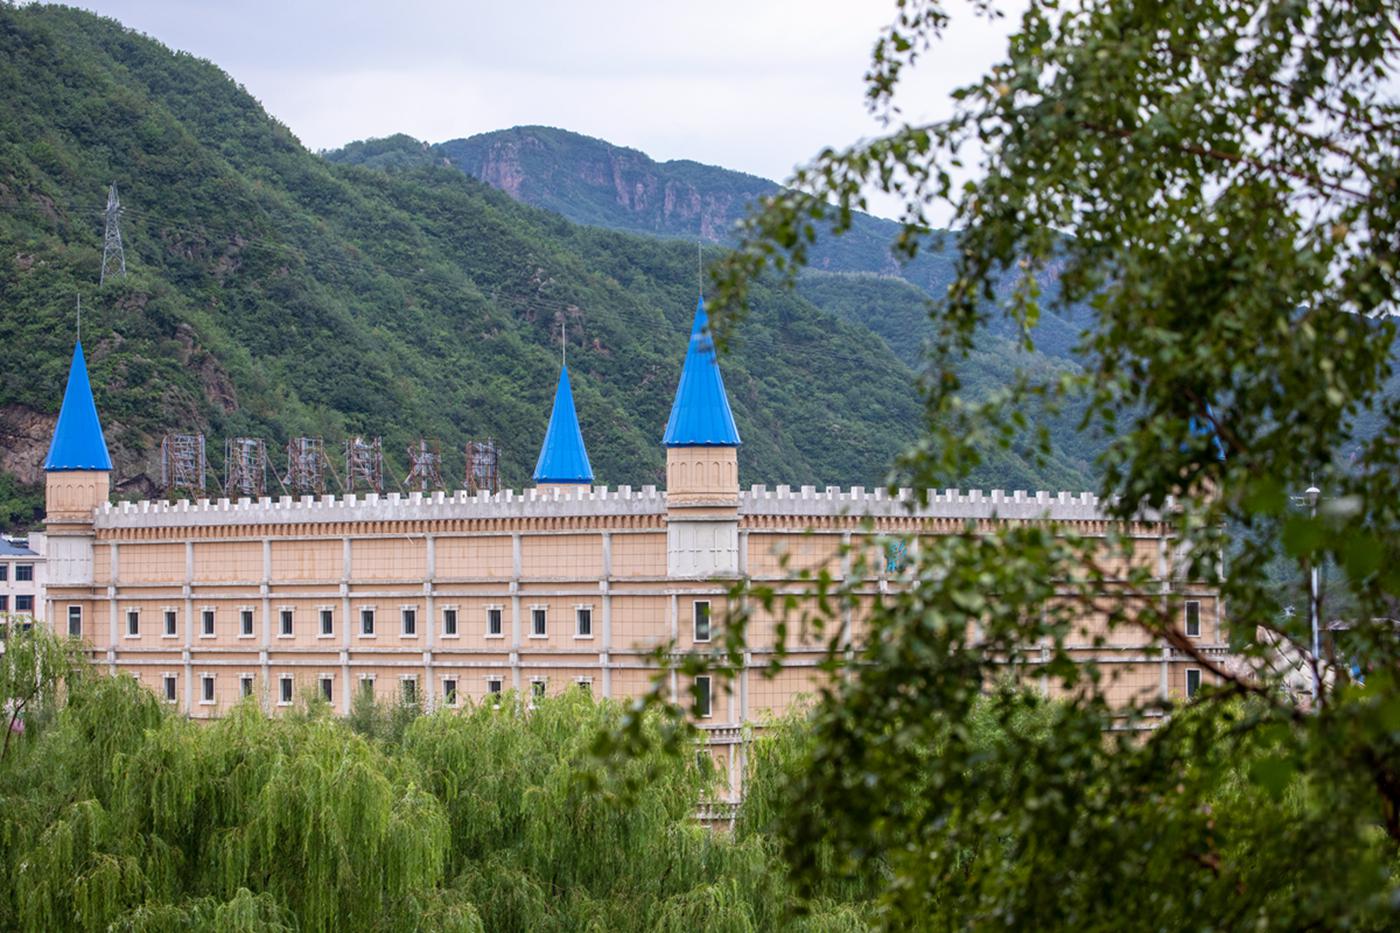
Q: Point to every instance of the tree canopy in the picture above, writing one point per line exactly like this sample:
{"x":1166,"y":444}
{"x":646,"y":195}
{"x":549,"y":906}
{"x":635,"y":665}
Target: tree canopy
{"x":1217,"y":186}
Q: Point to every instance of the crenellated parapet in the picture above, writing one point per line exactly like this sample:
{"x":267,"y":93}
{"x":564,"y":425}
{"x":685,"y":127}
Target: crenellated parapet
{"x":601,"y":501}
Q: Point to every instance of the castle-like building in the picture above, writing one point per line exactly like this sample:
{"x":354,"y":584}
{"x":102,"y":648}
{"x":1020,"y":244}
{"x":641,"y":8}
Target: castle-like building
{"x":442,"y":599}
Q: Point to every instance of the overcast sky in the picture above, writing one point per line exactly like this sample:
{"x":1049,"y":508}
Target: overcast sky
{"x":755,"y":85}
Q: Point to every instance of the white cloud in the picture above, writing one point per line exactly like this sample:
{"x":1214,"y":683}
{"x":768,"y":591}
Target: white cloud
{"x":750,"y":85}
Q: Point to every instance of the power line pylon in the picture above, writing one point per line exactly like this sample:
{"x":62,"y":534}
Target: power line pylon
{"x":113,"y":256}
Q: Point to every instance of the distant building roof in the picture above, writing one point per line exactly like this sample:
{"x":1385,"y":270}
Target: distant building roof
{"x":700,"y":415}
{"x":563,"y":458}
{"x":9,"y":548}
{"x":77,"y":440}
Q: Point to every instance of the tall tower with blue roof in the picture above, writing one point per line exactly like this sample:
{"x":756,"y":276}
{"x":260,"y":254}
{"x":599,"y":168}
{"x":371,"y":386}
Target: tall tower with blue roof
{"x":563,"y":461}
{"x":702,"y":465}
{"x":77,"y":474}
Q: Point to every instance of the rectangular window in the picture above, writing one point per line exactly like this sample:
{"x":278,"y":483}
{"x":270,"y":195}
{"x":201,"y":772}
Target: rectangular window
{"x":408,"y":690}
{"x":449,"y":691}
{"x":367,"y":686}
{"x":286,"y":623}
{"x":1193,"y":618}
{"x":4,"y":572}
{"x":702,"y":697}
{"x":409,"y":615}
{"x":245,"y":622}
{"x":1193,"y":681}
{"x":206,"y":622}
{"x":133,"y":623}
{"x":24,"y":603}
{"x":585,"y":684}
{"x":24,"y":573}
{"x":75,"y":621}
{"x":245,"y":685}
{"x":449,"y":623}
{"x":539,"y":622}
{"x":4,"y":603}
{"x":206,"y":689}
{"x":170,"y":688}
{"x":493,"y":622}
{"x":327,"y":687}
{"x":366,"y":621}
{"x":327,"y":622}
{"x":702,"y":621}
{"x":494,"y":685}
{"x":170,"y":623}
{"x":536,"y":689}
{"x":583,"y":622}
{"x":285,"y":696}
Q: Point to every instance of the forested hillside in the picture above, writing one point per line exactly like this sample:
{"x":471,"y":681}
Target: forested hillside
{"x":273,"y":293}
{"x":594,"y":182}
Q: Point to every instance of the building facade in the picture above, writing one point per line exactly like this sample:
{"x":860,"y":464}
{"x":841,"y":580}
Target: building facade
{"x":444,"y":599}
{"x":22,"y":579}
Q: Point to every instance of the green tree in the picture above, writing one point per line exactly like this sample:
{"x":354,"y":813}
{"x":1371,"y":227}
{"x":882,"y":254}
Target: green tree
{"x":1218,"y":185}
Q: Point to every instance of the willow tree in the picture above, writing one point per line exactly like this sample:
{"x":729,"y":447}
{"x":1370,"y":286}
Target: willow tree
{"x":1211,"y":190}
{"x":36,"y":666}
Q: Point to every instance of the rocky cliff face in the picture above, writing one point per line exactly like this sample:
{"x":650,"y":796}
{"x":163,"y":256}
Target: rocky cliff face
{"x":596,"y":182}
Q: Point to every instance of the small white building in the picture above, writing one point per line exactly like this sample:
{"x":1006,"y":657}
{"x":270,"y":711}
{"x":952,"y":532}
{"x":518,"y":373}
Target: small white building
{"x":22,"y":577}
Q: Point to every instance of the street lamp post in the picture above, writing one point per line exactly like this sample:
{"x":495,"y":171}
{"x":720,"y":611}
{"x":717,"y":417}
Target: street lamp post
{"x":1312,"y":493}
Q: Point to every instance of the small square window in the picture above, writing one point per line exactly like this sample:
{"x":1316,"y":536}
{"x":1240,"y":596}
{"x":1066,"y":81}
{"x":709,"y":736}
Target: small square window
{"x":702,"y":697}
{"x":75,"y":621}
{"x":171,"y":623}
{"x":585,"y":684}
{"x":169,"y":688}
{"x":245,"y":685}
{"x":367,"y":622}
{"x":408,"y":690}
{"x":1193,"y":681}
{"x":539,"y":622}
{"x":702,"y":621}
{"x":1193,"y":618}
{"x":583,"y":622}
{"x":327,"y":622}
{"x":286,"y":619}
{"x":449,"y":691}
{"x":24,"y":603}
{"x":327,"y":687}
{"x":206,"y":621}
{"x":245,"y":621}
{"x":449,"y":622}
{"x":493,"y":622}
{"x":409,"y":615}
{"x":494,"y":686}
{"x":206,"y":689}
{"x":24,"y":573}
{"x":285,"y":696}
{"x":133,"y":623}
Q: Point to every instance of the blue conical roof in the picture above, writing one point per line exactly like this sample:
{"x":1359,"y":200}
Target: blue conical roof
{"x":700,"y":415}
{"x":77,"y":440}
{"x":563,"y":458}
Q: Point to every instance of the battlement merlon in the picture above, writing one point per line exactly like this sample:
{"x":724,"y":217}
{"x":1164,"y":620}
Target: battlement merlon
{"x":600,"y":501}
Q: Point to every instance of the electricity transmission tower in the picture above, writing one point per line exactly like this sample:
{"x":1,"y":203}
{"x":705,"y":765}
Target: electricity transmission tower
{"x":113,"y":256}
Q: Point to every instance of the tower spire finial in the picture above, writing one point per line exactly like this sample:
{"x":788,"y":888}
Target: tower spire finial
{"x":700,"y":266}
{"x":563,"y":343}
{"x":80,"y":317}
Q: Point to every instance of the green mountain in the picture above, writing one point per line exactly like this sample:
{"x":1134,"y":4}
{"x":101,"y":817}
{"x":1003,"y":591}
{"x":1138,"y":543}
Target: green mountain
{"x":591,"y":181}
{"x":273,"y":293}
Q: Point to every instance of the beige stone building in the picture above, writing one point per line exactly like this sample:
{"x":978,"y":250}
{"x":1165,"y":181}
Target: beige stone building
{"x":445,"y":599}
